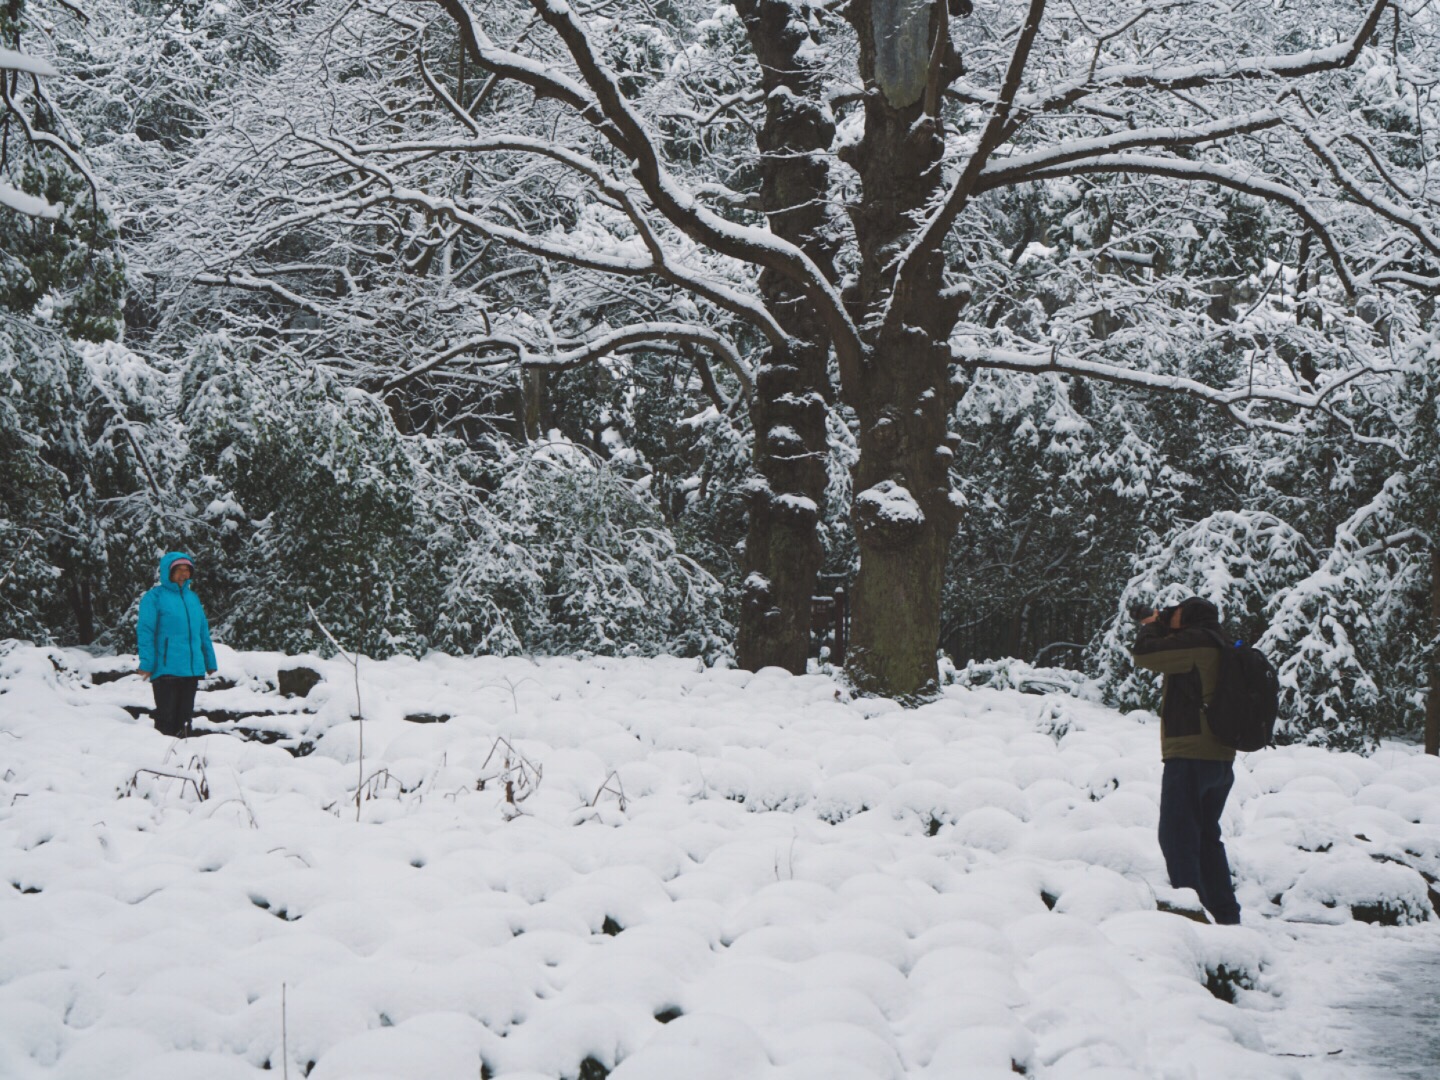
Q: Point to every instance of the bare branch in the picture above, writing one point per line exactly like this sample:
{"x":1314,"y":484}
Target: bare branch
{"x":545,"y":81}
{"x":1190,"y":76}
{"x":752,"y":245}
{"x":933,"y":233}
{"x":514,"y":349}
{"x":1225,"y":176}
{"x":1015,"y":169}
{"x":1352,"y":184}
{"x":1230,"y":400}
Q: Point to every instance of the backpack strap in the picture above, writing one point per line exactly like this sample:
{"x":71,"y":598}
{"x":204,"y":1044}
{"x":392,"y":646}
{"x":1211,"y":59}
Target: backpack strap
{"x":1222,"y":646}
{"x":1220,"y":642}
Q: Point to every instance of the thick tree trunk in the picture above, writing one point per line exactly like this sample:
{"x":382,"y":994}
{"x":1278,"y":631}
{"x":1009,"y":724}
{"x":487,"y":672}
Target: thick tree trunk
{"x":903,"y":514}
{"x":1432,"y":697}
{"x":782,"y":546}
{"x":904,"y":518}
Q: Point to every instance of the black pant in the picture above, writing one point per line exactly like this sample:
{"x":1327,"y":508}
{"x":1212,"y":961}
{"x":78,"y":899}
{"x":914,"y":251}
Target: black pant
{"x":174,"y":703}
{"x":1192,"y":797}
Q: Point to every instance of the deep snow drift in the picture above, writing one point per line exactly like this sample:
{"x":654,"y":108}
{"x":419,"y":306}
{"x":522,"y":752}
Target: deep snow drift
{"x":707,"y":874}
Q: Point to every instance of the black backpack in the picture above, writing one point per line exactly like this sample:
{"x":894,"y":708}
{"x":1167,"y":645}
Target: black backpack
{"x":1246,"y":699}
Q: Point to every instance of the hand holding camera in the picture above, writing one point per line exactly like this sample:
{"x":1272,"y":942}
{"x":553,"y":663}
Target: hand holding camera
{"x":1165,"y":617}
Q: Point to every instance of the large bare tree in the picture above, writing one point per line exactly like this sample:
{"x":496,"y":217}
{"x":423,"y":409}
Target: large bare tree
{"x":825,"y":205}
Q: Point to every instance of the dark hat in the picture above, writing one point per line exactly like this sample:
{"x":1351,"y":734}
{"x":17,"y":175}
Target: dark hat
{"x":1197,"y":611}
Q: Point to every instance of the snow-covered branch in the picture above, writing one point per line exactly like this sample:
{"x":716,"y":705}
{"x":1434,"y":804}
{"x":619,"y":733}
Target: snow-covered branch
{"x":542,"y":78}
{"x":1249,"y":181}
{"x":361,"y":159}
{"x":14,"y":109}
{"x":1394,"y":540}
{"x":1229,"y":399}
{"x":752,"y":245}
{"x":1166,"y":78}
{"x":444,"y":96}
{"x":933,"y":232}
{"x":507,"y":348}
{"x":29,"y":205}
{"x":1407,"y":219}
{"x":1016,"y":168}
{"x":12,"y":60}
{"x":241,"y":279}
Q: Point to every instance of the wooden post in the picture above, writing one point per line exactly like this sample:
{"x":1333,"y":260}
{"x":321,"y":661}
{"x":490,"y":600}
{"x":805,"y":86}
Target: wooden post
{"x":1432,"y":697}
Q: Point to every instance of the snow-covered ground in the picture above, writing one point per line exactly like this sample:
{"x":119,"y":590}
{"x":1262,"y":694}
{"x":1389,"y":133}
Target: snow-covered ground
{"x":707,"y":874}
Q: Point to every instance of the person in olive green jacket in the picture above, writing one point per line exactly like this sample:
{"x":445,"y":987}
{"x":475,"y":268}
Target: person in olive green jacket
{"x":1178,"y":643}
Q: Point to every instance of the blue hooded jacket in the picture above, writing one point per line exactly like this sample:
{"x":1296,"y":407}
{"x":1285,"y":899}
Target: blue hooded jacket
{"x":173,"y":635}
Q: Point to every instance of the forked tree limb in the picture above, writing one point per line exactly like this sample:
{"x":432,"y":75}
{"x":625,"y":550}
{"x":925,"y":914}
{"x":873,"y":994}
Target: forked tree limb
{"x":758,"y":247}
{"x":933,"y":232}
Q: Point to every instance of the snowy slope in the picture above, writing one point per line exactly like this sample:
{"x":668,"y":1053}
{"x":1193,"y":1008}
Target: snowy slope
{"x":710,"y":874}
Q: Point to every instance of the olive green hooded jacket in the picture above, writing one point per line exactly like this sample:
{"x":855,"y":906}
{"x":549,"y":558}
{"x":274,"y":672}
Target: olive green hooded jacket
{"x":1189,"y":659}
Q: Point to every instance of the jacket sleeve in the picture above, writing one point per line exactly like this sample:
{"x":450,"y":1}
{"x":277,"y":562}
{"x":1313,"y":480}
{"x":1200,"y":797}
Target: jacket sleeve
{"x":145,"y":627}
{"x":207,"y":646}
{"x":1157,"y":649}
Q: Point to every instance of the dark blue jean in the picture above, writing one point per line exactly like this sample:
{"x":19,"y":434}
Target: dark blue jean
{"x":174,"y":704}
{"x":1192,"y":797}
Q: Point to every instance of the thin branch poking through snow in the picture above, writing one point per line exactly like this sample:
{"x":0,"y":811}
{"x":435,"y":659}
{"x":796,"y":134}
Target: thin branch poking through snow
{"x":354,"y":662}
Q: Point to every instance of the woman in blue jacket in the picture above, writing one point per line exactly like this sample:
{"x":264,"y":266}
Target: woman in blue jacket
{"x":173,"y":639}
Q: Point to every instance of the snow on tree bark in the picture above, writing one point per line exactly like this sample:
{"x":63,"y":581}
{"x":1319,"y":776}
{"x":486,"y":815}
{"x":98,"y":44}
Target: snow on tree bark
{"x":788,"y":409}
{"x":901,"y":392}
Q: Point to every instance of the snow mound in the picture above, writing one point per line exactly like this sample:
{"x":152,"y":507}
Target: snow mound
{"x":646,"y":869}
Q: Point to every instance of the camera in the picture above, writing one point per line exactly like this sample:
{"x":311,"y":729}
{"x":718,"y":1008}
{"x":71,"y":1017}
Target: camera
{"x":1141,"y":612}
